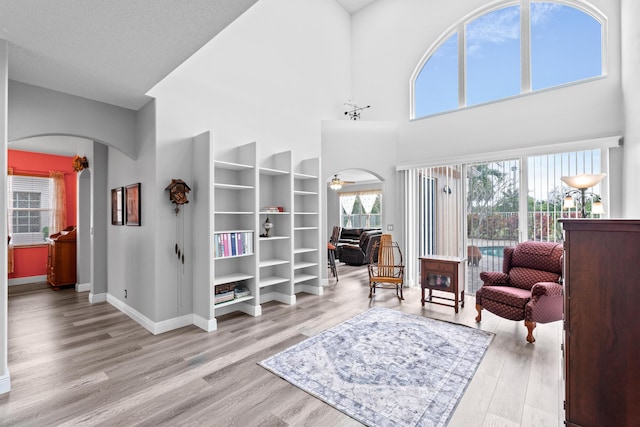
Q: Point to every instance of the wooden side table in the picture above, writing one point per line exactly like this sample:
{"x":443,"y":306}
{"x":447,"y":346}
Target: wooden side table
{"x":442,"y":273}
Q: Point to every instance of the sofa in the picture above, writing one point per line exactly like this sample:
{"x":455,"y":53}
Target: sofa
{"x":352,"y":235}
{"x":361,"y":252}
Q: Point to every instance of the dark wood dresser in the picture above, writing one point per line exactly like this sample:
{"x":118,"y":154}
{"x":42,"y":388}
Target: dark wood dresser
{"x":601,"y":322}
{"x":61,"y":259}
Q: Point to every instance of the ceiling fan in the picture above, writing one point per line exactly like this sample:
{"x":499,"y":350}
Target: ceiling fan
{"x":336,"y":183}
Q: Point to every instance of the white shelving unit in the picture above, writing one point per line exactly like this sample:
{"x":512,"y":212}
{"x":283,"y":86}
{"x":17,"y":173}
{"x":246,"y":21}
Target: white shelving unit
{"x":235,"y":189}
{"x":274,"y":264}
{"x":233,"y":192}
{"x":306,"y":227}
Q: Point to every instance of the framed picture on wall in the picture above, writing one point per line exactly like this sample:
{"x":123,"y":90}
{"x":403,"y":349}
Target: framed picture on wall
{"x":132,"y":199}
{"x":117,"y":203}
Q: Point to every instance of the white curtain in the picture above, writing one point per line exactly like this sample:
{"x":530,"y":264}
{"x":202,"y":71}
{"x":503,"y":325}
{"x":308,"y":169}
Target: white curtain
{"x":347,"y":200}
{"x":58,"y":208}
{"x":368,"y":199}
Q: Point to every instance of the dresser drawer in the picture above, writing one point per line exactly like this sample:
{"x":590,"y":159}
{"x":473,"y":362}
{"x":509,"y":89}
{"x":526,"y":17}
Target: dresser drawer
{"x":437,"y":266}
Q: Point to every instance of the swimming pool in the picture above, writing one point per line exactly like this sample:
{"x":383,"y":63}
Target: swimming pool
{"x":492,"y":250}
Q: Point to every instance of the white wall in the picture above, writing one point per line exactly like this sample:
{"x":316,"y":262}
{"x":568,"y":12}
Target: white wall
{"x":270,"y":77}
{"x":131,"y":248}
{"x":631,"y":90}
{"x":101,"y":217}
{"x":366,"y":145}
{"x":35,"y":111}
{"x":389,"y":39}
{"x":5,"y":382}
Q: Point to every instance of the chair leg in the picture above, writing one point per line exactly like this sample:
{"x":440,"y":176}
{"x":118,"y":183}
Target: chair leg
{"x":530,"y":327}
{"x":332,"y":263}
{"x":400,"y":288}
{"x":479,"y":316}
{"x":372,"y":288}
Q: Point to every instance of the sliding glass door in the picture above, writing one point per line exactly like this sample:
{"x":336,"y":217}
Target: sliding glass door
{"x":492,"y":213}
{"x":474,"y":210}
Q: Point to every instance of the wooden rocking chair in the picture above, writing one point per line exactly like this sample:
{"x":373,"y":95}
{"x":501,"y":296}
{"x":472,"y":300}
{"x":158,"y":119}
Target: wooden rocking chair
{"x":388,"y":269}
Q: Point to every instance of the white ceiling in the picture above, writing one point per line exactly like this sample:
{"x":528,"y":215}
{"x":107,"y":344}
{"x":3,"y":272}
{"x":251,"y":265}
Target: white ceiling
{"x":111,"y":51}
{"x":356,"y":175}
{"x":108,"y":50}
{"x":352,"y":6}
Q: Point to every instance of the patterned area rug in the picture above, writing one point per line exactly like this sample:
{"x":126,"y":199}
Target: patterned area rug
{"x":386,"y":368}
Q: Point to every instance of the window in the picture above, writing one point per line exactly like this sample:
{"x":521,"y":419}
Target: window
{"x":361,"y":209}
{"x":509,"y":50}
{"x":493,"y":56}
{"x":30,"y":204}
{"x":566,"y":45}
{"x":438,"y":80}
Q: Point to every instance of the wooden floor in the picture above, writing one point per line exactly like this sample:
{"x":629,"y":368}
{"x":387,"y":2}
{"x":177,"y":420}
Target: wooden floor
{"x":73,"y":363}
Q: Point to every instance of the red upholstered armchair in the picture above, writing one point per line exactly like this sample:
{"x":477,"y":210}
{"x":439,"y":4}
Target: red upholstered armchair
{"x":528,"y":288}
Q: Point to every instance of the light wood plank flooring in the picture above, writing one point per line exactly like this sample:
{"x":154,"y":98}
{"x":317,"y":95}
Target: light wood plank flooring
{"x":73,"y":363}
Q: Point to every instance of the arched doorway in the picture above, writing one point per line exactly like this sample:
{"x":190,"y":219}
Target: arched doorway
{"x":354,"y":182}
{"x":69,"y":146}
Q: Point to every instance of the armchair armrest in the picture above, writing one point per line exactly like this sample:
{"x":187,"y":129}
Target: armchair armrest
{"x":494,"y":278}
{"x":549,"y":289}
{"x":546,"y":303}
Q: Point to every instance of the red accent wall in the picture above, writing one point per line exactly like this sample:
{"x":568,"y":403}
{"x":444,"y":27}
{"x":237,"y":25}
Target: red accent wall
{"x":32,"y":261}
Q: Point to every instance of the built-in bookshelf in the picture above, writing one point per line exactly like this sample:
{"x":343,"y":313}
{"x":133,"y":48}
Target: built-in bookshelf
{"x":234,"y":216}
{"x":274,"y":261}
{"x":238,"y":265}
{"x":306,"y":227}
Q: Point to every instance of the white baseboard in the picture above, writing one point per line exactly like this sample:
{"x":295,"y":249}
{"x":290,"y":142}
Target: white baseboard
{"x":83,"y":287}
{"x":154,"y":327}
{"x":251,"y":310}
{"x":25,"y":280}
{"x":313,"y":290}
{"x":5,"y":384}
{"x":277,"y":296}
{"x":205,"y":324}
{"x":95,"y":298}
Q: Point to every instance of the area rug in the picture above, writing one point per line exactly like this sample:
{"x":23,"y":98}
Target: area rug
{"x":386,"y":368}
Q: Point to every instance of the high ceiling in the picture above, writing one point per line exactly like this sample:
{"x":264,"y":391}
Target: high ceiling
{"x":111,"y":51}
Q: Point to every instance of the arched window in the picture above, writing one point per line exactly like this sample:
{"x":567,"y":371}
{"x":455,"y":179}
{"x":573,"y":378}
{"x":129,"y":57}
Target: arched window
{"x":509,"y":50}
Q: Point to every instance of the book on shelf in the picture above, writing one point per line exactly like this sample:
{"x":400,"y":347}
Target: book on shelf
{"x":271,"y":209}
{"x":241,"y":291}
{"x":233,"y":243}
{"x":224,"y":297}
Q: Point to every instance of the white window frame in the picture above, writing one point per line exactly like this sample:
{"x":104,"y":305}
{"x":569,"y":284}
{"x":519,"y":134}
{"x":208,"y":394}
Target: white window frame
{"x":525,"y":51}
{"x":357,"y":194}
{"x":30,"y":238}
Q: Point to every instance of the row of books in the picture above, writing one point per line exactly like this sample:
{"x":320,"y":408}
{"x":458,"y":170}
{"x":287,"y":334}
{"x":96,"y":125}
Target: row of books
{"x":233,"y":244}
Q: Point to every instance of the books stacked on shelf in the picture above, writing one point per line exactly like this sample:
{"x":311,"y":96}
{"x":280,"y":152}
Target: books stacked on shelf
{"x":233,"y":243}
{"x":241,"y":291}
{"x":224,"y":292}
{"x":271,"y":209}
{"x":229,"y":291}
{"x":224,"y":297}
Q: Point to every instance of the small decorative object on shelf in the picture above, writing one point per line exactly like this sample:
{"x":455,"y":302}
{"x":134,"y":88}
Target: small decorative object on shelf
{"x":268,"y":225}
{"x":79,"y":163}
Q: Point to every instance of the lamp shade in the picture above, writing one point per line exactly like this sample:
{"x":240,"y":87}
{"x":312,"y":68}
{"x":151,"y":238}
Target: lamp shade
{"x":568,"y":203}
{"x":584,"y":180}
{"x":597,"y":208}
